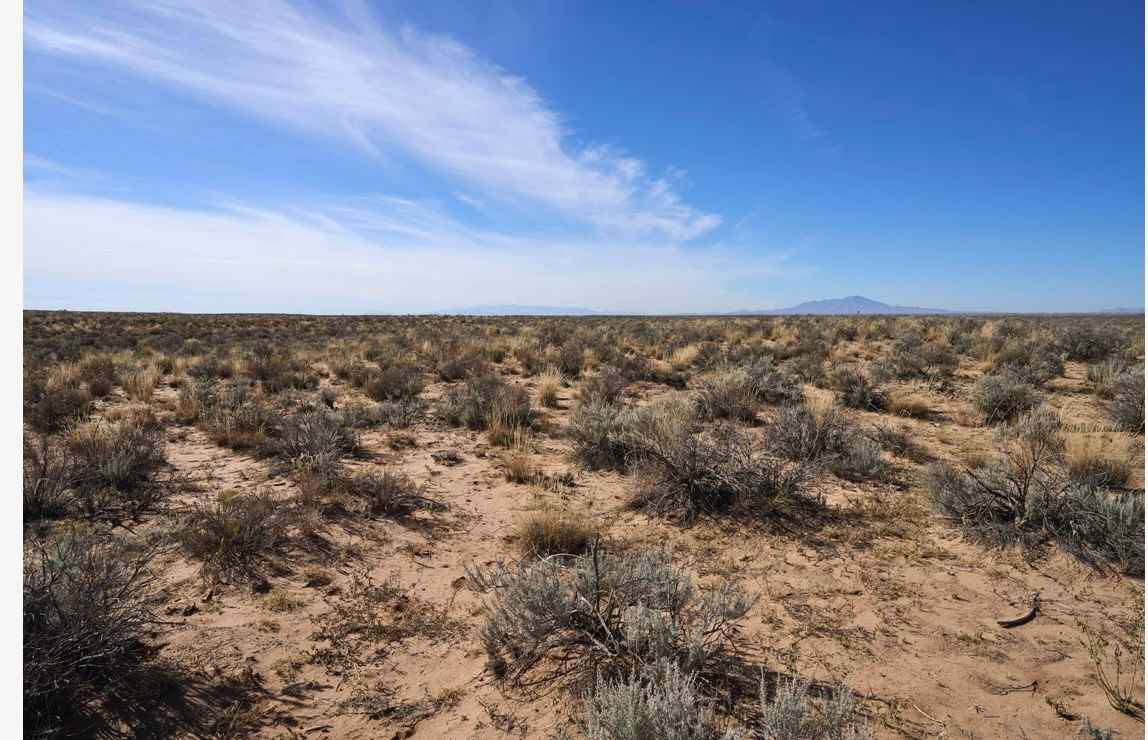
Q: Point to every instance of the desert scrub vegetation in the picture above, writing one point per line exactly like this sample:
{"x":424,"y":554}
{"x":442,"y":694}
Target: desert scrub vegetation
{"x":791,"y":712}
{"x":604,"y":386}
{"x":820,"y":434}
{"x":1025,"y":495}
{"x":54,"y":402}
{"x":1001,"y":398}
{"x":552,"y":530}
{"x":486,"y":400}
{"x":684,"y":474}
{"x":1126,"y":409}
{"x":549,"y":383}
{"x":234,"y":536}
{"x":85,"y":617}
{"x":385,"y":493}
{"x":658,"y":701}
{"x":727,"y":394}
{"x":99,"y":468}
{"x":856,"y":390}
{"x":604,"y":615}
{"x":394,"y":382}
{"x":598,"y":432}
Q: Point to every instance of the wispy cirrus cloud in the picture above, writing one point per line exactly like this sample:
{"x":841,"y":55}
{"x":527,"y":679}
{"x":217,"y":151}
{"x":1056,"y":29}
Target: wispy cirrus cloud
{"x":371,"y":254}
{"x":380,"y":87}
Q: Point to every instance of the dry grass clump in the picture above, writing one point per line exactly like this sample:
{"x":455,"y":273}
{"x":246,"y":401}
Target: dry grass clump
{"x":1098,"y":461}
{"x":899,"y":441}
{"x":517,"y":463}
{"x":1025,"y":496}
{"x":554,"y":531}
{"x":386,"y":493}
{"x":602,"y":616}
{"x":1002,"y":398}
{"x":910,"y":406}
{"x":1102,"y":375}
{"x":234,"y":536}
{"x":139,"y":384}
{"x":85,"y":617}
{"x":549,"y":383}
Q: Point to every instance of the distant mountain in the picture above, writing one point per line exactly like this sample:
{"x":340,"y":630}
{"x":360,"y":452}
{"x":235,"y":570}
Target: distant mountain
{"x":1121,"y":310}
{"x":849,"y":305}
{"x":512,"y":310}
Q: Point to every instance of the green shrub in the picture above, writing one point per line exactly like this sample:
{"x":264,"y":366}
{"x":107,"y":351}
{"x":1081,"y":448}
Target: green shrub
{"x":598,"y":433}
{"x":114,"y":465}
{"x":394,"y":383}
{"x":604,"y":386}
{"x":792,"y":713}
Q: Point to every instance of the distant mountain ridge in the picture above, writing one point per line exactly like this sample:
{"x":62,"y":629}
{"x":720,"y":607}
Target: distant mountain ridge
{"x":849,"y":305}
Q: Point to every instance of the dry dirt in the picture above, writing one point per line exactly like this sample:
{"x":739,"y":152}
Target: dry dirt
{"x":894,"y":603}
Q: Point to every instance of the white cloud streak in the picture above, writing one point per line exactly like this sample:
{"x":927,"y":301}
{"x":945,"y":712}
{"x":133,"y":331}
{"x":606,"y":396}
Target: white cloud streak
{"x":375,"y":255}
{"x":379,"y":88}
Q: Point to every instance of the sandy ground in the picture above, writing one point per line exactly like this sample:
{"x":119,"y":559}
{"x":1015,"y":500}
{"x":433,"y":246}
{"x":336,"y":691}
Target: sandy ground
{"x":890,"y":600}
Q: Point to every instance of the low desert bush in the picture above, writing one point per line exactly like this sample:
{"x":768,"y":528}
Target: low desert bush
{"x":1034,"y":362}
{"x":1088,"y":341}
{"x":51,"y":406}
{"x":1102,"y":375}
{"x":85,"y":618}
{"x":822,"y":435}
{"x":683,"y":474}
{"x":598,"y":432}
{"x":604,"y":386}
{"x":277,"y":370}
{"x":1002,"y":398}
{"x":1127,"y":406}
{"x":482,"y":399}
{"x":856,"y":391}
{"x":234,"y":536}
{"x":1024,"y":497}
{"x":659,"y":702}
{"x":47,"y":479}
{"x":388,"y":493}
{"x":793,"y":713}
{"x":773,"y":385}
{"x":552,"y":531}
{"x":391,"y":414}
{"x":113,"y":466}
{"x":727,"y":394}
{"x":394,"y":383}
{"x":101,"y":373}
{"x":314,"y":436}
{"x":604,"y":616}
{"x":460,"y":365}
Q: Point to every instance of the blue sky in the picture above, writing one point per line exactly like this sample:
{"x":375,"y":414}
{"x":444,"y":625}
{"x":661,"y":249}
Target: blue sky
{"x":408,"y":156}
